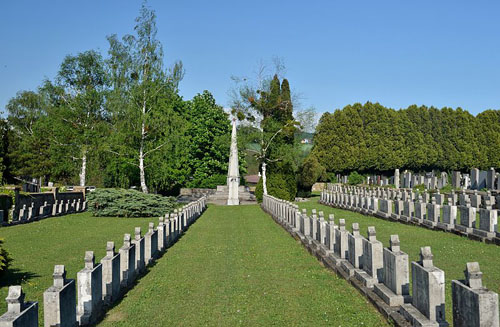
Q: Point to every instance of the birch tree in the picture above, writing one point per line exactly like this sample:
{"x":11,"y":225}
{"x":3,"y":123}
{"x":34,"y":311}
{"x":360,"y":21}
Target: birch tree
{"x":77,"y":106}
{"x":141,"y":86}
{"x":267,"y":105}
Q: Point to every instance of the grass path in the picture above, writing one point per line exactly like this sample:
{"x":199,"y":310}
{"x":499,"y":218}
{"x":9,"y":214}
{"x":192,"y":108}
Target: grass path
{"x":451,"y":252}
{"x":38,"y":246}
{"x":235,"y":266}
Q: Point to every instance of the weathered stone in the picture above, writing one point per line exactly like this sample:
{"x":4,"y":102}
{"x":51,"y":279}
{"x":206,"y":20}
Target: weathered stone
{"x":150,"y":244}
{"x":467,"y":219}
{"x":110,"y":274}
{"x":428,"y":287}
{"x":89,"y":291}
{"x":127,"y":262}
{"x":395,"y":288}
{"x":488,"y":220}
{"x":473,"y":304}
{"x":139,"y":243}
{"x":19,"y":313}
{"x":59,"y":300}
{"x":372,"y":260}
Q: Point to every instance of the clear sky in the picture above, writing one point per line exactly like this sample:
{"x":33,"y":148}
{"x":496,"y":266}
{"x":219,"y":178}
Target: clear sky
{"x":396,"y":52}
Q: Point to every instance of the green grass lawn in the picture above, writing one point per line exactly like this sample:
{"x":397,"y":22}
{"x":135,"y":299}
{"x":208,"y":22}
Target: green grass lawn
{"x":235,"y":266}
{"x":38,"y":246}
{"x":451,"y":252}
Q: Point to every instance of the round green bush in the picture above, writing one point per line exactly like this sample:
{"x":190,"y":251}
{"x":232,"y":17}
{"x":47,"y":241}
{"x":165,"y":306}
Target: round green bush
{"x":282,"y":186}
{"x":355,"y":178}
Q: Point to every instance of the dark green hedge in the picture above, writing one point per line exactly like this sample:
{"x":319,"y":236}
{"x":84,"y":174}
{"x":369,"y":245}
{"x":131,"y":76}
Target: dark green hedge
{"x":5,"y":259}
{"x":128,"y":203}
{"x":279,"y":185}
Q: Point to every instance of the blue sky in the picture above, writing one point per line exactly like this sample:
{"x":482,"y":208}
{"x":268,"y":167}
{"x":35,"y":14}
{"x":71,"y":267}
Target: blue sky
{"x":441,"y":53}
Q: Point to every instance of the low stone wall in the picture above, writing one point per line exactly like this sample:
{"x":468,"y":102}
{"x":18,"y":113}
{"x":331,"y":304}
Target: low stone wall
{"x":36,"y":206}
{"x":455,"y":212}
{"x":382,"y":274}
{"x":99,"y":285}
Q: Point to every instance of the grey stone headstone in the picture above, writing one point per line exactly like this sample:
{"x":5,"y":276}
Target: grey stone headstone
{"x":473,"y":304}
{"x":59,"y":300}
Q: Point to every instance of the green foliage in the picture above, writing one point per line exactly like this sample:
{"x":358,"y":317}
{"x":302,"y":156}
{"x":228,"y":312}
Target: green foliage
{"x":128,"y":203}
{"x":355,"y":178}
{"x":310,"y":173}
{"x":419,"y":188}
{"x":210,"y":181}
{"x":5,"y":259}
{"x":446,"y":189}
{"x":209,"y":134}
{"x":371,"y":137}
{"x":280,"y":185}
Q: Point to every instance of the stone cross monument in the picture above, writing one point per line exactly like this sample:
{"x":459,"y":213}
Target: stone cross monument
{"x":233,"y":174}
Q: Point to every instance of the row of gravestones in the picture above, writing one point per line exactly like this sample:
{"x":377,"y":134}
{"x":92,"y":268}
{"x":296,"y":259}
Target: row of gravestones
{"x":472,"y":199}
{"x":384,"y":272}
{"x":430,"y":215}
{"x":30,"y":213}
{"x":98,"y":286}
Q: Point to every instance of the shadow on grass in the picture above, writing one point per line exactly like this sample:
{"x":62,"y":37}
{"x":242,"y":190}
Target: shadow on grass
{"x":124,"y":292}
{"x":16,"y":277}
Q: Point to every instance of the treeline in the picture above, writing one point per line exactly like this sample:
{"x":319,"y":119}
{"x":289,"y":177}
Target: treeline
{"x":373,"y":138}
{"x":117,"y":121}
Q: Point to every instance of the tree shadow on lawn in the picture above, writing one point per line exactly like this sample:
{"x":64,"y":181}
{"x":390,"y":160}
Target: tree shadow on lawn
{"x":15,"y":276}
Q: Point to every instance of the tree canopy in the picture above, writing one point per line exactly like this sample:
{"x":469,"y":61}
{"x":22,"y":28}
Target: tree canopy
{"x":372,"y":138}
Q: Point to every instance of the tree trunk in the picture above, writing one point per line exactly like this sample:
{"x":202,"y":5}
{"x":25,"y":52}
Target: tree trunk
{"x":264,"y":182}
{"x":144,"y":187}
{"x":142,"y":174}
{"x":83,"y":170}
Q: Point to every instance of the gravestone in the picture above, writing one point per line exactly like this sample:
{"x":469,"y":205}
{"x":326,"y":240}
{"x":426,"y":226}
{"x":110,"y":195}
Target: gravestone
{"x":473,"y":304}
{"x":59,"y":300}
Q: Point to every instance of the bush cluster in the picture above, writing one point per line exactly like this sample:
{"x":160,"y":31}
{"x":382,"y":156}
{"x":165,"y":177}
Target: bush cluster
{"x":282,"y":186}
{"x":128,"y":203}
{"x":5,"y":259}
{"x":355,"y":178}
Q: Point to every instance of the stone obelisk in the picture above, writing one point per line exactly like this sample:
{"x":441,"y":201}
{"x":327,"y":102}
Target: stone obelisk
{"x":233,"y":173}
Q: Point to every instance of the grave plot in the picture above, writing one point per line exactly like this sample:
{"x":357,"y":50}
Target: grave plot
{"x":451,"y":252}
{"x":235,"y":266}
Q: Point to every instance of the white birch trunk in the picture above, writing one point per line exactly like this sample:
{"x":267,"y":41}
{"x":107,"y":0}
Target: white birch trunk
{"x":144,"y":187}
{"x":83,"y":170}
{"x":264,"y":182}
{"x":142,"y":174}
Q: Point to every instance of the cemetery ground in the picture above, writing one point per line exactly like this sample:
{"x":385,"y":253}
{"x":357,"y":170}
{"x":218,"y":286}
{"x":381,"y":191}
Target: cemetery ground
{"x":38,"y":246}
{"x":236,"y":266}
{"x":451,"y":252}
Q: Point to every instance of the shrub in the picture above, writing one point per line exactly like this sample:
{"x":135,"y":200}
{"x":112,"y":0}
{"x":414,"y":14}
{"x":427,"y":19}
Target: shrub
{"x":282,"y":186}
{"x":446,"y":189}
{"x":128,"y":203}
{"x":208,"y":181}
{"x":310,"y":173}
{"x":355,"y":178}
{"x":5,"y":259}
{"x":420,"y":188}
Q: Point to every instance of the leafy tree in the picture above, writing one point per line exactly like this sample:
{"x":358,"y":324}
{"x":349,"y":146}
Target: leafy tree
{"x":267,"y":105}
{"x":4,"y":146}
{"x":29,"y":148}
{"x":77,"y":112}
{"x":372,"y":138}
{"x":144,"y":99}
{"x":209,"y":139}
